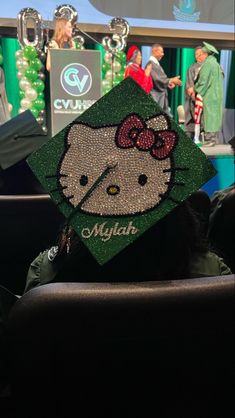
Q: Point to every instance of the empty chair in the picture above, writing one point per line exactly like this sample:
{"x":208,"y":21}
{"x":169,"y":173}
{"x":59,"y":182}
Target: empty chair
{"x":153,"y":349}
{"x":28,"y":225}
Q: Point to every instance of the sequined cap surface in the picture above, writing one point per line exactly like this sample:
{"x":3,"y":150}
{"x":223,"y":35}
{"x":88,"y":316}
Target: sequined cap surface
{"x":119,"y":168}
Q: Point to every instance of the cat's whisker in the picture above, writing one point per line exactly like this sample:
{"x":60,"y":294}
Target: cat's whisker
{"x":51,"y":176}
{"x":58,"y":189}
{"x":172,"y":170}
{"x":175,"y":183}
{"x":174,"y":200}
{"x":161,"y":195}
{"x":70,"y":197}
{"x":64,"y":200}
{"x":60,"y":202}
{"x":170,"y":198}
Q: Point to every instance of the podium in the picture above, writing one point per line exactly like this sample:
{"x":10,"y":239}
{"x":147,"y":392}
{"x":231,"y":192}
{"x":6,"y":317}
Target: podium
{"x":75,"y":84}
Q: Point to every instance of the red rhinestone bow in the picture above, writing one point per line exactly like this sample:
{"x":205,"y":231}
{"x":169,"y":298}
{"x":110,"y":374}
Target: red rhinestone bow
{"x":133,"y":132}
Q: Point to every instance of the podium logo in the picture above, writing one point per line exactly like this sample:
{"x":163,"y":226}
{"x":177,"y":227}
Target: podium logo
{"x":76,"y":79}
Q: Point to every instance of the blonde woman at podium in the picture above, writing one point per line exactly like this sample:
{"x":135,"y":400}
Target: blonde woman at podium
{"x":62,"y":38}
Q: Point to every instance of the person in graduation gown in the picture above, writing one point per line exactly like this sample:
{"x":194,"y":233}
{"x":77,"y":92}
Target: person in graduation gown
{"x":189,"y":93}
{"x":210,"y":87}
{"x":161,"y":82}
{"x":134,"y":69}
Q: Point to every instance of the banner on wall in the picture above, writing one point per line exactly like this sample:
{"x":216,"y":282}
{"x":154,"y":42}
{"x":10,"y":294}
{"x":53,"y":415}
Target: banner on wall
{"x":75,"y":85}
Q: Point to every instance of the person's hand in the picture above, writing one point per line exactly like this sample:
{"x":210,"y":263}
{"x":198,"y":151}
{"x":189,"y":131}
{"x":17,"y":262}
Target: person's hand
{"x":148,"y":70}
{"x":176,"y":80}
{"x":193,"y":96}
{"x":190,"y":91}
{"x":171,"y":85}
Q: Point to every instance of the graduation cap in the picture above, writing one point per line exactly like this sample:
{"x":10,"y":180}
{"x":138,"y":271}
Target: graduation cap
{"x":19,"y":137}
{"x":119,"y":168}
{"x":210,"y":49}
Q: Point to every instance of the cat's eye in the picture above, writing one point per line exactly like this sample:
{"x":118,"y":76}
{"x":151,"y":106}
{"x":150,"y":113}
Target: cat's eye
{"x":83,"y":180}
{"x":142,"y":180}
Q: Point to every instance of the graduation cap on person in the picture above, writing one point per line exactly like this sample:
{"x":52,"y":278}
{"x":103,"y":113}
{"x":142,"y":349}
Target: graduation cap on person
{"x":119,"y":168}
{"x":210,"y":49}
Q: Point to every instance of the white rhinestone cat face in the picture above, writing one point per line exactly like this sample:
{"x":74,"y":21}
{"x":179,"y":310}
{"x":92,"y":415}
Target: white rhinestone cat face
{"x":118,"y":170}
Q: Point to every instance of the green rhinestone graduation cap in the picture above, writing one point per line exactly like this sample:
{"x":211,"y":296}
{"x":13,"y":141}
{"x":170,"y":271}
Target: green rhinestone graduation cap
{"x":210,"y":49}
{"x":119,"y":168}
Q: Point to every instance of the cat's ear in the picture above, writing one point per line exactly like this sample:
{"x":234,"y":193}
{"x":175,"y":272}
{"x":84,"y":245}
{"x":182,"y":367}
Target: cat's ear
{"x":159,"y":122}
{"x":75,"y":132}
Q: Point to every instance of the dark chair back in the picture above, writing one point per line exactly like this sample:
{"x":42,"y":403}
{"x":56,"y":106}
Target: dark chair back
{"x":153,"y":349}
{"x":19,"y":180}
{"x":28,"y":225}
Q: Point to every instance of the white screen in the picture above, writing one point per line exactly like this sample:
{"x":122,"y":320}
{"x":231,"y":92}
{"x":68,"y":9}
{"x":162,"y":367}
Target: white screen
{"x":203,"y":15}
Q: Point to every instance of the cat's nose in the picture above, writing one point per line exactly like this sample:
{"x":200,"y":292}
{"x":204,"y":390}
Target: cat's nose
{"x":113,"y":190}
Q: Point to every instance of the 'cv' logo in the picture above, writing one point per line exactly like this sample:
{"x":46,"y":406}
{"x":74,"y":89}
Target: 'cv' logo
{"x":76,"y":79}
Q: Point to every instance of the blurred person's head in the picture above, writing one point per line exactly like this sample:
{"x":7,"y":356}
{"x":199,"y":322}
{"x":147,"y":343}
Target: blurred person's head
{"x":198,"y":53}
{"x":157,"y":51}
{"x":203,"y":55}
{"x":207,"y":50}
{"x":134,"y":55}
{"x":63,"y":31}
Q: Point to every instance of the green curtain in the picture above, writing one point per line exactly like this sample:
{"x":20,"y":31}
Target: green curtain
{"x":175,"y":96}
{"x":187,"y":57}
{"x":9,"y":48}
{"x":230,"y":98}
{"x":100,"y":48}
{"x":96,"y":47}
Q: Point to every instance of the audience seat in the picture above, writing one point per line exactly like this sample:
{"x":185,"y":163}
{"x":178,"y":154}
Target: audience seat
{"x":152,"y":349}
{"x":19,"y":179}
{"x":28,"y":225}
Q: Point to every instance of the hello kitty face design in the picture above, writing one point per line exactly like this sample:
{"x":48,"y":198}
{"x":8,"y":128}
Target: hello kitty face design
{"x":118,"y":170}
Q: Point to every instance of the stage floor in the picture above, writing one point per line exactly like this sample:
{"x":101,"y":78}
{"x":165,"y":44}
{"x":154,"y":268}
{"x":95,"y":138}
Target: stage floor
{"x":218,"y":150}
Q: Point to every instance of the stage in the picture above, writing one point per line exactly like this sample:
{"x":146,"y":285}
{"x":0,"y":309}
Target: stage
{"x":220,"y":149}
{"x":222,"y":157}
